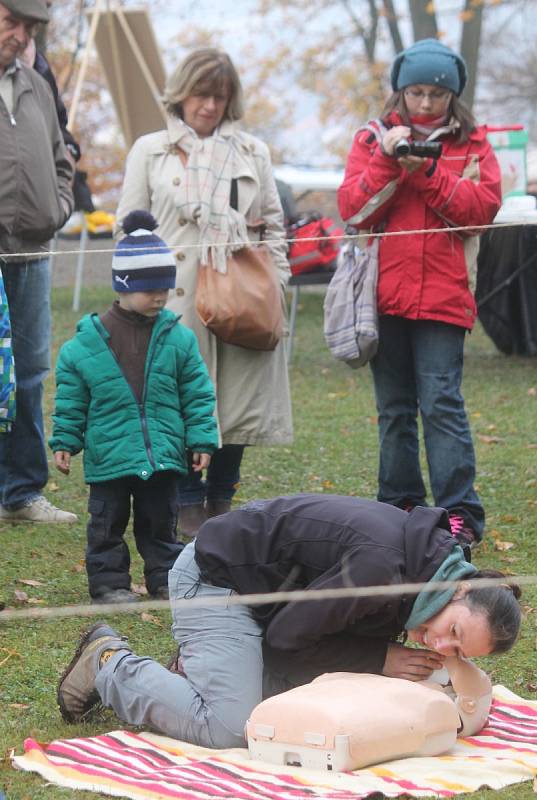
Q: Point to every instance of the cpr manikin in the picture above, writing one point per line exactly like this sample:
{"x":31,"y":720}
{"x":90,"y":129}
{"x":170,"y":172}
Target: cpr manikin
{"x":344,"y":721}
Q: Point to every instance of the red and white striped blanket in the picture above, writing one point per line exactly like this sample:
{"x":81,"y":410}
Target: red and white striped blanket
{"x":150,"y":767}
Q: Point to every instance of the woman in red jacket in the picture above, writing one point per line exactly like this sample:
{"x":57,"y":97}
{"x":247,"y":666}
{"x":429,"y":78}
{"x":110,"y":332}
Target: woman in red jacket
{"x":425,"y":303}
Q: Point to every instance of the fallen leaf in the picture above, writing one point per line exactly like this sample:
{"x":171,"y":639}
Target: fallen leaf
{"x":79,"y":567}
{"x":328,"y":485}
{"x":501,"y":545}
{"x":30,"y":582}
{"x":509,"y":518}
{"x":531,"y":687}
{"x":532,"y":392}
{"x":10,"y":654}
{"x":138,"y":588}
{"x":531,"y":447}
{"x":52,"y":486}
{"x":488,"y":439}
{"x":151,"y":618}
{"x":19,"y":706}
{"x":35,"y":601}
{"x":21,"y":596}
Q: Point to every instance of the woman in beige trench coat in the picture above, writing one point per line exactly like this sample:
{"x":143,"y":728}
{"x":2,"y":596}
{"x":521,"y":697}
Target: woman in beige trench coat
{"x":183,"y":175}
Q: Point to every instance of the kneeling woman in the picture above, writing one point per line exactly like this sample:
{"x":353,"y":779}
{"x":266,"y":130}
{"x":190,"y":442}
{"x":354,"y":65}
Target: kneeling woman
{"x":232,"y":655}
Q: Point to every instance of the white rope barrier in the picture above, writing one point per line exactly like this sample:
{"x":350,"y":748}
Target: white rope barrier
{"x":299,"y":596}
{"x":470,"y":229}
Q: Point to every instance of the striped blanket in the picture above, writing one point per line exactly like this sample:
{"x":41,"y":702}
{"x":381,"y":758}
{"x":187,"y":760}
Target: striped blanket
{"x":150,"y":767}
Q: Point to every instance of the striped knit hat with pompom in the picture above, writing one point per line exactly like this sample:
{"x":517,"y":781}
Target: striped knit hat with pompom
{"x":142,"y":261}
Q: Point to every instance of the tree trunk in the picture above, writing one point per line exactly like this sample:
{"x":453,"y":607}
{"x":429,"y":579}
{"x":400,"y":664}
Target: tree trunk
{"x":423,"y":19}
{"x":393,"y":26}
{"x":470,"y":39}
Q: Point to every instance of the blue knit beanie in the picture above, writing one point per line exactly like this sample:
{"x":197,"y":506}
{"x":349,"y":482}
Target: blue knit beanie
{"x":142,"y":261}
{"x":430,"y":62}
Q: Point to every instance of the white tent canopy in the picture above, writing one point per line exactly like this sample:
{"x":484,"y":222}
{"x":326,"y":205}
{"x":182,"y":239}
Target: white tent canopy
{"x":309,"y":179}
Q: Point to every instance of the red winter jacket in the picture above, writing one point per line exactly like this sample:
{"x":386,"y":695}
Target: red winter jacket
{"x":423,"y":276}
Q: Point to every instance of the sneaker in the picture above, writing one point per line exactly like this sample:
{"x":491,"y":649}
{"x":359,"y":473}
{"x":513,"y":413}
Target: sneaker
{"x":107,"y":595}
{"x":464,"y":534}
{"x":77,"y":694}
{"x":38,"y":510}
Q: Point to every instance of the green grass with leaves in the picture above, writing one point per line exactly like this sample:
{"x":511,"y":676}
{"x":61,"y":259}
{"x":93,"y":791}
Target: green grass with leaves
{"x":335,"y":450}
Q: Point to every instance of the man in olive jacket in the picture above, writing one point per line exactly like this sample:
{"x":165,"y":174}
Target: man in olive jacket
{"x":35,"y":201}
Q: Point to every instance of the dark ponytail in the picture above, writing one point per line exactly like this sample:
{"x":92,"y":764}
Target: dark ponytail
{"x":500,"y":605}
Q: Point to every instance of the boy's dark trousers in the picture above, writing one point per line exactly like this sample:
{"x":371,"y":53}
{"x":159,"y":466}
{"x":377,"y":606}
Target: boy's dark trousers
{"x":154,"y":505}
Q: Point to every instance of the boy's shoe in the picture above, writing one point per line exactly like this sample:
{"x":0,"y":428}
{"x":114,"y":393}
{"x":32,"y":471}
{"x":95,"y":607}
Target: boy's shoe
{"x":38,"y":510}
{"x":107,"y":595}
{"x":191,"y":518}
{"x":464,"y":534}
{"x":77,"y":694}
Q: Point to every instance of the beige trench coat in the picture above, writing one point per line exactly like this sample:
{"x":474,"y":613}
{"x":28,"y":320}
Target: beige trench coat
{"x":252,"y":388}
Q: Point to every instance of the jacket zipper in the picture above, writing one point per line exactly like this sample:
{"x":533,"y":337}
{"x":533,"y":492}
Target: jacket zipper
{"x":149,"y":361}
{"x":140,"y":406}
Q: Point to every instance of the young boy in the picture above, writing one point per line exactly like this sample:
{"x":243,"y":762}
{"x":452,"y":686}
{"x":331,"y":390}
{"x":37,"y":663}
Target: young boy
{"x":133,"y":392}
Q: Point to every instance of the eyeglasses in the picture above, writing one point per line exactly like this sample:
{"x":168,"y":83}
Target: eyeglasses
{"x":436,"y":96}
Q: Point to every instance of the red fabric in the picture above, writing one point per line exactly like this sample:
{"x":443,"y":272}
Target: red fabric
{"x":320,"y":251}
{"x":423,"y":276}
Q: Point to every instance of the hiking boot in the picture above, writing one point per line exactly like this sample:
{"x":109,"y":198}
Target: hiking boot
{"x":191,"y":518}
{"x":463,"y":533}
{"x":77,"y":694}
{"x":175,"y":664}
{"x":217,"y":507}
{"x":38,"y":510}
{"x":107,"y":595}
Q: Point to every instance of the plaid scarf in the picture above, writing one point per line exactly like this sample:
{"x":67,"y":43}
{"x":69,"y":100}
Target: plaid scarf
{"x":203,"y":197}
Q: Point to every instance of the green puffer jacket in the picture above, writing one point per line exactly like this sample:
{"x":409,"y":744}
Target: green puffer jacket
{"x":97,"y":411}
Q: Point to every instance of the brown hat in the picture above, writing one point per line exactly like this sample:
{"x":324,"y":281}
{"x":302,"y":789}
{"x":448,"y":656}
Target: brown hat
{"x":29,"y":9}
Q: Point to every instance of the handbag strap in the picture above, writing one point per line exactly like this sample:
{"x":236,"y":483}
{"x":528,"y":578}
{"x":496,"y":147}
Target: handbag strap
{"x":234,"y":194}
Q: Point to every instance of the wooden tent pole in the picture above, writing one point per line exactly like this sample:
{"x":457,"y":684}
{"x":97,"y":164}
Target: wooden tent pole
{"x":122,"y":100}
{"x":139,"y":57}
{"x":84,"y":65}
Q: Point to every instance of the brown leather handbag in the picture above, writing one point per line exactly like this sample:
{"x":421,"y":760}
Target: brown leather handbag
{"x":243,"y":307}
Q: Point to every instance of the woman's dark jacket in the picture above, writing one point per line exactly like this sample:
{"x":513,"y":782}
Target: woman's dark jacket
{"x":313,"y":541}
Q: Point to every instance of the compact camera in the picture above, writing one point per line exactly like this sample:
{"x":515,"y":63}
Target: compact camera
{"x":404,"y":147}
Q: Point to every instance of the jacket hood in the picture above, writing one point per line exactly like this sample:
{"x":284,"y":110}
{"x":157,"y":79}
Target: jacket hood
{"x":423,"y":543}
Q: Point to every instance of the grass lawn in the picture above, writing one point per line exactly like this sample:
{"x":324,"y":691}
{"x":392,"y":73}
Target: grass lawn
{"x":335,"y":451}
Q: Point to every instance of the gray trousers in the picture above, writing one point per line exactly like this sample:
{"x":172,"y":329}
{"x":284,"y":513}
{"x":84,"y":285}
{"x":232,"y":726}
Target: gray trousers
{"x":222,"y":656}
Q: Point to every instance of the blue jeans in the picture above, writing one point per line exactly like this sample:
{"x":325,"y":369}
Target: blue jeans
{"x":221,"y":648}
{"x":223,"y":476}
{"x":23,"y":455}
{"x":418,"y":368}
